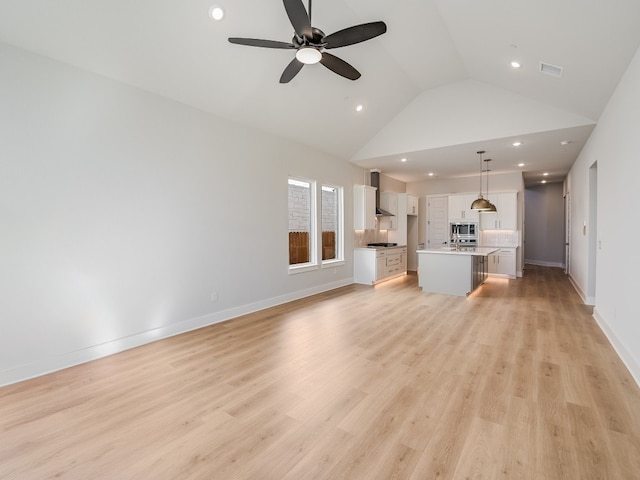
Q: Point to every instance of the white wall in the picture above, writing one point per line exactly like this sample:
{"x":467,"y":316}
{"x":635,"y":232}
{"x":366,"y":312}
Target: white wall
{"x":614,"y":145}
{"x":122,"y":212}
{"x":462,"y":113}
{"x":388,"y":184}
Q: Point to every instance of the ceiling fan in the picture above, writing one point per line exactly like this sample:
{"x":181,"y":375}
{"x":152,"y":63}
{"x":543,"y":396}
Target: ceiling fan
{"x":310,"y":43}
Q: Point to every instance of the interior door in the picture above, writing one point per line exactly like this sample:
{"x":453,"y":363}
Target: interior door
{"x":437,"y":222}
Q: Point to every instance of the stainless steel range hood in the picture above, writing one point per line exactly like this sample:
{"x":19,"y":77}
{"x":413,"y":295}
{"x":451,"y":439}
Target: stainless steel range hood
{"x":375,"y":182}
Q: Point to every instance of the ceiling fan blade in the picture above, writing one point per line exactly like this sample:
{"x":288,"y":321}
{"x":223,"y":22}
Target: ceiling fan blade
{"x":339,"y":66}
{"x":356,"y":34}
{"x":298,"y":17}
{"x":254,"y":42}
{"x":291,"y":71}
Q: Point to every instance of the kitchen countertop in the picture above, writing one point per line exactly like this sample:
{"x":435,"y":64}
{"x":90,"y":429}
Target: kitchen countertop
{"x":481,"y":251}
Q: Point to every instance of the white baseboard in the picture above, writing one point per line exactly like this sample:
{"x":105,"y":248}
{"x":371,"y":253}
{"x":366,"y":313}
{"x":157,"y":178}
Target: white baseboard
{"x":578,"y":290}
{"x":627,"y":358}
{"x":542,"y":263}
{"x":69,"y":359}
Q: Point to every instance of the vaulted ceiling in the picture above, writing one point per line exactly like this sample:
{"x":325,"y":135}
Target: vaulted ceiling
{"x":434,"y":89}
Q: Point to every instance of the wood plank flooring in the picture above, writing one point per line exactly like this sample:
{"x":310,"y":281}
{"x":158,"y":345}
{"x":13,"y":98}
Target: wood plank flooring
{"x":386,"y":382}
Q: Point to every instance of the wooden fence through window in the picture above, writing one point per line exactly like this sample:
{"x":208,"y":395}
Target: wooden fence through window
{"x":299,"y":247}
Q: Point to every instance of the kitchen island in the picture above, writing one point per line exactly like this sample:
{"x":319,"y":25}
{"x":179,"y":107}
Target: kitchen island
{"x":454,"y":272}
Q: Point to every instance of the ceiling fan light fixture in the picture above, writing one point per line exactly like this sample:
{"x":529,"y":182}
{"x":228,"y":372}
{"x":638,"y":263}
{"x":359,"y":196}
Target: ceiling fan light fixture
{"x":308,"y":55}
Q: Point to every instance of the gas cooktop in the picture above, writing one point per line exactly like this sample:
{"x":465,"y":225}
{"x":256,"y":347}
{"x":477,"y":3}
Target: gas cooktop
{"x":382,"y":244}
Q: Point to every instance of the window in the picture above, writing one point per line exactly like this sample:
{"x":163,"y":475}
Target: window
{"x":302,"y":221}
{"x":332,"y":238}
{"x":316,"y":225}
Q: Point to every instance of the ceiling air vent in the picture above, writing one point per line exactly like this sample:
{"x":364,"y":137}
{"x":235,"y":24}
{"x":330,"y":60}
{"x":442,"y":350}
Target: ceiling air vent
{"x":550,"y":69}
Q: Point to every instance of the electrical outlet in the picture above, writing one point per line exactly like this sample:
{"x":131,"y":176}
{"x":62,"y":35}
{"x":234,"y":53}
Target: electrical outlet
{"x":214,"y":296}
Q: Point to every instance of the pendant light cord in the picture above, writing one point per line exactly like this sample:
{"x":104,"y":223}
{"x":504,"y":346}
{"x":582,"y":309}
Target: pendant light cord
{"x":488,"y":160}
{"x":480,"y":194}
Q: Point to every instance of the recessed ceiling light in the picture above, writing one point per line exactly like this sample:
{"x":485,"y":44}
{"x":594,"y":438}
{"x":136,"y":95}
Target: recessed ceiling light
{"x":515,"y":64}
{"x":431,"y":174}
{"x":403,"y":160}
{"x":517,"y":144}
{"x":521,"y":164}
{"x":359,"y":108}
{"x":543,"y":181}
{"x":545,"y":174}
{"x":217,"y":13}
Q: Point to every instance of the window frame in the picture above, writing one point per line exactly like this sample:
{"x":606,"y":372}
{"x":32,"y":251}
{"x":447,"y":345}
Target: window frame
{"x":339,"y":246}
{"x":312,"y":264}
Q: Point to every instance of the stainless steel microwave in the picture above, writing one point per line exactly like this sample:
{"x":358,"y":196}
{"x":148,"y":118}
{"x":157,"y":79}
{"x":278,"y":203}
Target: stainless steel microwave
{"x":464,"y":230}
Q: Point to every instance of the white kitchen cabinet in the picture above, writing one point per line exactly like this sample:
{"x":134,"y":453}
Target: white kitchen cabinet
{"x":397,"y":234}
{"x":503,"y":262}
{"x":396,"y":261}
{"x":406,"y":231}
{"x":460,"y":208}
{"x":506,"y":217}
{"x":412,"y":205}
{"x":381,"y":266}
{"x":389,"y":202}
{"x":364,"y":207}
{"x":373,"y":265}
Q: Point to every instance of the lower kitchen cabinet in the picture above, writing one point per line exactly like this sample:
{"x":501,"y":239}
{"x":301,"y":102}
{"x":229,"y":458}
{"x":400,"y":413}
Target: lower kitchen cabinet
{"x":503,"y":262}
{"x":373,"y":265}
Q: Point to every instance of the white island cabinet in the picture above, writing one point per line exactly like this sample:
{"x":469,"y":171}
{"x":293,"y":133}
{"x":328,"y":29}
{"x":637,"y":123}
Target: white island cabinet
{"x":453,"y":272}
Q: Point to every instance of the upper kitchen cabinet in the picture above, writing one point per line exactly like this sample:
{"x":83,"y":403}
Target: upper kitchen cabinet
{"x":460,"y":208}
{"x":397,"y":206}
{"x":412,"y":205}
{"x":506,"y":217}
{"x":389,"y":202}
{"x":364,"y":207}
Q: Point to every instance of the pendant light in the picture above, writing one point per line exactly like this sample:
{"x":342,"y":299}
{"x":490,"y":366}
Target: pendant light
{"x":482,"y":203}
{"x":492,"y":207}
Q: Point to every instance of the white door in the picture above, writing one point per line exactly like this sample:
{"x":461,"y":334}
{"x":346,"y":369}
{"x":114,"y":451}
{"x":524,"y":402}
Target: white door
{"x":437,"y":222}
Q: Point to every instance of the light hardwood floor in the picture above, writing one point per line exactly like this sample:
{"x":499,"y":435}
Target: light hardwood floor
{"x":386,"y":382}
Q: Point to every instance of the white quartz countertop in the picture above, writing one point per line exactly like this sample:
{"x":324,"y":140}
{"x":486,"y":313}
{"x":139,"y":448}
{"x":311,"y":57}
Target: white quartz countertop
{"x":481,"y":251}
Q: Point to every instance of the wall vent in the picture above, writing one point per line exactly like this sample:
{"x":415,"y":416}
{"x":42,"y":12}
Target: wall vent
{"x":550,"y":69}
